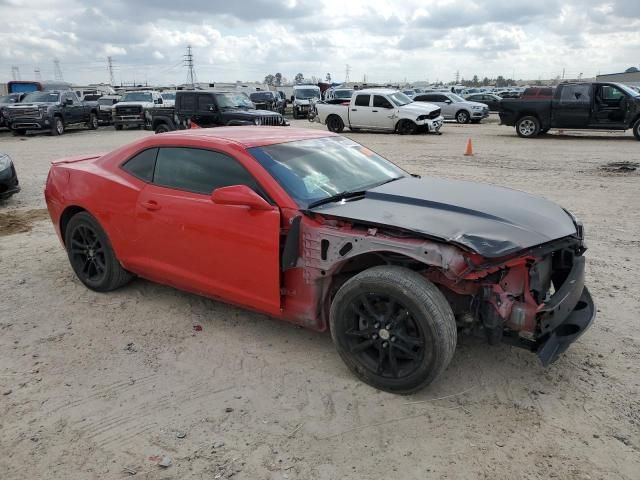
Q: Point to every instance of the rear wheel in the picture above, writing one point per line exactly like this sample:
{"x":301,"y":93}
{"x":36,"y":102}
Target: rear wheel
{"x":91,"y":256}
{"x":528,"y":127}
{"x":393,"y":328}
{"x":118,"y":127}
{"x":636,"y":129}
{"x":58,"y":126}
{"x":335,"y":124}
{"x":462,"y":116}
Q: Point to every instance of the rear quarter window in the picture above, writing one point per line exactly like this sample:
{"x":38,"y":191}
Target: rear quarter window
{"x":142,"y":165}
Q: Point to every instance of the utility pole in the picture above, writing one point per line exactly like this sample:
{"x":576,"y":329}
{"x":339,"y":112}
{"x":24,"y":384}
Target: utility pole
{"x":563,"y":74}
{"x":36,"y":73}
{"x":346,"y":73}
{"x":15,"y":72}
{"x":112,"y":79}
{"x":188,"y":62}
{"x":57,"y":71}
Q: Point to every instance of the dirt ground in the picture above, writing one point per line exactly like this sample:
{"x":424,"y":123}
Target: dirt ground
{"x":102,"y":386}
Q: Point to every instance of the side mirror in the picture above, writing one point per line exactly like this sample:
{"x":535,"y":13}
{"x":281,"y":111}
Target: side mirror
{"x":239,"y":195}
{"x":159,"y":101}
{"x":68,"y":101}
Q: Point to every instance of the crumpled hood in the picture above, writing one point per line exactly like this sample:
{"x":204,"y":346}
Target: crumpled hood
{"x":252,"y":112}
{"x":492,"y":221}
{"x":418,"y":108}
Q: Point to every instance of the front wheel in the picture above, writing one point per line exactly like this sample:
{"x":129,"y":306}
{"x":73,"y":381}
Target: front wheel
{"x":636,"y":129}
{"x":335,"y":124}
{"x":93,"y":123}
{"x":528,"y":127}
{"x":91,"y":256}
{"x":407,"y":127}
{"x":19,"y":132}
{"x":58,"y":126}
{"x":462,"y":116}
{"x":117,"y":127}
{"x":393,"y":328}
{"x":162,"y":128}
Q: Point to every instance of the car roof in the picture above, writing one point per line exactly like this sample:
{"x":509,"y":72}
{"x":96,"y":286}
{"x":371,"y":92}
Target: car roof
{"x":252,"y":136}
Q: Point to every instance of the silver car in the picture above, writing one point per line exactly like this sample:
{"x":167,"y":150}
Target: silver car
{"x":454,"y":107}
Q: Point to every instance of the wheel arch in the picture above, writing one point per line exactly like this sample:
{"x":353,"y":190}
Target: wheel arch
{"x":66,"y":216}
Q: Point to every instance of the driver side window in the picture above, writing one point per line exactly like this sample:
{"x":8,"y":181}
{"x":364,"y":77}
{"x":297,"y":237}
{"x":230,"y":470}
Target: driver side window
{"x":199,"y":171}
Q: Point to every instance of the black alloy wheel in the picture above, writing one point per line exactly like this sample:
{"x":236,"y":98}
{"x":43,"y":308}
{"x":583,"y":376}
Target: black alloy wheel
{"x":393,"y":328}
{"x":91,"y":255}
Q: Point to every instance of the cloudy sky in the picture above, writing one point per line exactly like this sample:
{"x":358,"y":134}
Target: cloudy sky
{"x":384,"y":40}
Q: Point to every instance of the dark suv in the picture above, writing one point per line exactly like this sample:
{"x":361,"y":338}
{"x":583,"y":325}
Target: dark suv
{"x":207,"y":108}
{"x":268,"y":100}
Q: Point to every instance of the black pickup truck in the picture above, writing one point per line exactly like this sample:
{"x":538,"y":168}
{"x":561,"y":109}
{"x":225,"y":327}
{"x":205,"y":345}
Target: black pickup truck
{"x":591,"y":106}
{"x":51,"y":110}
{"x":208,"y":108}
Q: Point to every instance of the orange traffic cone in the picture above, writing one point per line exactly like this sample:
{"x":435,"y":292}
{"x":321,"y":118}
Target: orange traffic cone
{"x":468,"y":152}
{"x":194,"y":125}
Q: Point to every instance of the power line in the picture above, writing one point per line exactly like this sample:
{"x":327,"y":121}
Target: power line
{"x":57,"y":71}
{"x":188,"y":61}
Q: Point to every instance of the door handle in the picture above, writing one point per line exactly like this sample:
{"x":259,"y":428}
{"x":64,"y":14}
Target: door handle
{"x":354,"y":109}
{"x":151,"y":205}
{"x":374,"y":111}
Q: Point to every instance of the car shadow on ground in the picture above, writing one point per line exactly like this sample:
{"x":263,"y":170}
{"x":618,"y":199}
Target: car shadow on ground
{"x":475,"y":362}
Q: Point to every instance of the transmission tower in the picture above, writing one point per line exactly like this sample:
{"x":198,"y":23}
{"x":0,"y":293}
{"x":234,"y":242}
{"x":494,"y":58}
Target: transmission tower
{"x":57,"y":71}
{"x":112,"y":80}
{"x":457,"y":77}
{"x":188,"y":62}
{"x":346,"y":73}
{"x":15,"y":72}
{"x":36,"y":73}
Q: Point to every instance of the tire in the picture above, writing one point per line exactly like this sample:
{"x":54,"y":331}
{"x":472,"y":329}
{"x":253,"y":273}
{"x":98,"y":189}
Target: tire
{"x":392,"y":312}
{"x":528,"y":127}
{"x":335,"y":124}
{"x":406,"y":127}
{"x":636,"y":129}
{"x":93,"y":123}
{"x":162,"y":128}
{"x":463,"y":116}
{"x":118,"y":127}
{"x":91,"y":255}
{"x":19,"y":132}
{"x":58,"y":126}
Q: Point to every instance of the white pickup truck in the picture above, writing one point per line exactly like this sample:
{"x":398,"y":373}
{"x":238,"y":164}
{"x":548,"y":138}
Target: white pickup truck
{"x":381,"y":109}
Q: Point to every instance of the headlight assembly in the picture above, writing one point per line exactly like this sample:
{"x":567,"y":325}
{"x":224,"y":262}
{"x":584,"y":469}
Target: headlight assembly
{"x":5,"y":162}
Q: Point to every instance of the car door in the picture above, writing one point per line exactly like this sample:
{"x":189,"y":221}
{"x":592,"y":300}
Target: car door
{"x":382,"y":113}
{"x":185,"y":240}
{"x":572,"y":109}
{"x":360,"y":111}
{"x":207,"y":114}
{"x":70,"y":110}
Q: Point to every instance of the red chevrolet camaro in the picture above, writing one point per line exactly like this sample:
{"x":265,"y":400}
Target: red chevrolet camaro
{"x":313,"y":228}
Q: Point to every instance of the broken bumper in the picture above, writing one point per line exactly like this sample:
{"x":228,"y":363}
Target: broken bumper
{"x":568,"y":314}
{"x":432,"y":125}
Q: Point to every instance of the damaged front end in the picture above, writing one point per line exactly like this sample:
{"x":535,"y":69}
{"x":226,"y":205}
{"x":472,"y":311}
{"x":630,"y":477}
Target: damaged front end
{"x":535,"y":299}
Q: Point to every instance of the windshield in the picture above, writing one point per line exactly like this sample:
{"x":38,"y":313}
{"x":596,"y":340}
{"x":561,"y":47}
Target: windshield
{"x":307,"y":93}
{"x":168,"y":96}
{"x":628,"y":90}
{"x":47,"y":97}
{"x":456,"y":98}
{"x":137,"y":97}
{"x":261,"y":96}
{"x":312,"y":170}
{"x":9,"y":99}
{"x":399,"y":99}
{"x":233,"y":100}
{"x":342,"y":94}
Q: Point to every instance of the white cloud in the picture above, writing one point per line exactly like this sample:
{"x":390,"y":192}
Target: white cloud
{"x":384,"y":39}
